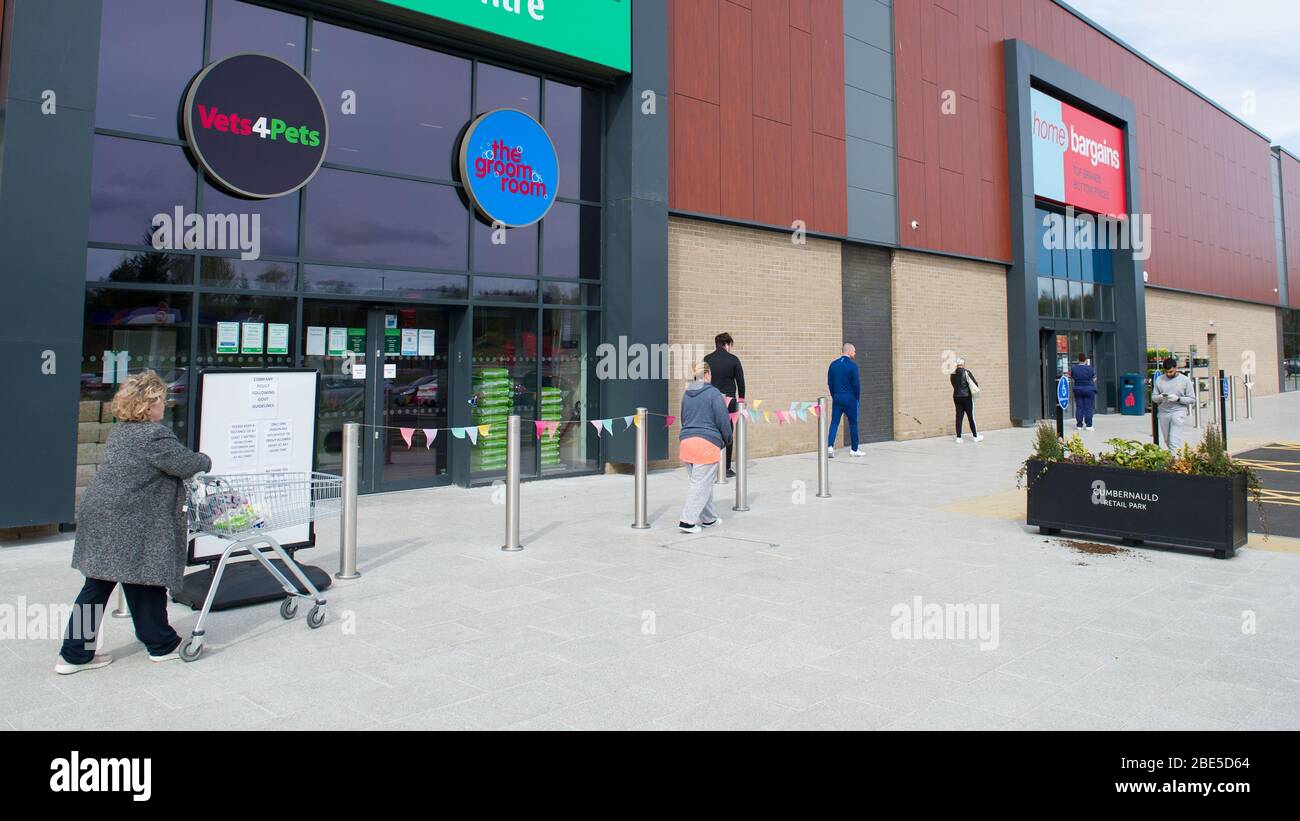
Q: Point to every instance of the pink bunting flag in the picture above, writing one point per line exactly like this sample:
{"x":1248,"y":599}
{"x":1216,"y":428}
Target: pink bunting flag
{"x":733,"y":417}
{"x":429,"y":435}
{"x":539,"y":427}
{"x":407,"y":435}
{"x":669,"y":421}
{"x":816,"y":410}
{"x":551,"y":428}
{"x":599,"y":425}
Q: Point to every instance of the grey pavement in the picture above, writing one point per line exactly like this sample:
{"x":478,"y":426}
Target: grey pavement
{"x":779,"y":619}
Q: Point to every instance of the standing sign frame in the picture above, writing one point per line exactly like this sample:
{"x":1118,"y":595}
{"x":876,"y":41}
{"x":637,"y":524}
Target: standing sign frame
{"x":194,"y":560}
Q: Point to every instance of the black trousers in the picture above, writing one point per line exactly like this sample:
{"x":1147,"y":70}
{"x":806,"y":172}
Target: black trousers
{"x":965,"y":407}
{"x":148,"y":610}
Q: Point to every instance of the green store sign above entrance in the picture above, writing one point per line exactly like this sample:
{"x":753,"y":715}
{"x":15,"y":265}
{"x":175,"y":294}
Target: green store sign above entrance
{"x":595,"y":31}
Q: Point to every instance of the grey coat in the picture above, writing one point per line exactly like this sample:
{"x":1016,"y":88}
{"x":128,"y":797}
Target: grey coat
{"x":130,"y":525}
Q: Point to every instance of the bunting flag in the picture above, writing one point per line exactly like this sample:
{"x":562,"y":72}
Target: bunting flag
{"x":754,"y":416}
{"x":670,"y":421}
{"x":803,"y":414}
{"x":551,"y":428}
{"x":599,"y":425}
{"x":407,"y":435}
{"x":816,"y":410}
{"x":733,"y":417}
{"x":636,"y":420}
{"x":758,"y":403}
{"x":459,"y":433}
{"x":472,"y":433}
{"x":767,"y":416}
{"x":429,"y":435}
{"x":627,"y":422}
{"x":539,"y":426}
{"x":484,"y":430}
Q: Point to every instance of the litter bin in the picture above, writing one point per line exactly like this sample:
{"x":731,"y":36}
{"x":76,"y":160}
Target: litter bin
{"x":1132,"y":395}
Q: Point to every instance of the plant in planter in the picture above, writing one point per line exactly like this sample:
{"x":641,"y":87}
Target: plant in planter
{"x":1140,"y":492}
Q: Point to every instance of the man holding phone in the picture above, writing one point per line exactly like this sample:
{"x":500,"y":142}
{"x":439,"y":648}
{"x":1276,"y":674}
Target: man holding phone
{"x":1173,"y":395}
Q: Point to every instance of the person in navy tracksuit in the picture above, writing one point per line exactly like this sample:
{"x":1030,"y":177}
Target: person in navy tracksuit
{"x":846,"y":391}
{"x":1084,"y":377}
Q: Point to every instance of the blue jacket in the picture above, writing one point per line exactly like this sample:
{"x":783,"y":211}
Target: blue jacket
{"x":842,"y":378}
{"x":1084,"y":378}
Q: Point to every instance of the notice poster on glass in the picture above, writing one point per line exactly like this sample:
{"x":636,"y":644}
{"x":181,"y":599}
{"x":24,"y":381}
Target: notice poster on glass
{"x":410,"y":342}
{"x":315,"y":341}
{"x":277,"y":339}
{"x":426,"y":342}
{"x":338,"y":341}
{"x":227,"y":337}
{"x":253,"y":338}
{"x":259,"y":423}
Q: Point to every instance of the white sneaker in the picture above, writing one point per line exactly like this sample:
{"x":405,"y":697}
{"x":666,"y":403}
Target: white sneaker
{"x":959,"y":440}
{"x":1090,"y":427}
{"x":979,"y":437}
{"x":856,"y":452}
{"x":830,"y":453}
{"x":172,"y":656}
{"x":64,"y":668}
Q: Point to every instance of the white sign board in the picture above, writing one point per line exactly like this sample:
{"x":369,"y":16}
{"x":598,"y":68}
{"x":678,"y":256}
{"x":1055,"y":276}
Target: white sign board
{"x":259,"y":422}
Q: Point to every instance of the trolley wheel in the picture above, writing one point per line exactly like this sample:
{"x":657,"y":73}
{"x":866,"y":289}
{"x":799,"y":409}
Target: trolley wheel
{"x":288,"y":608}
{"x":191,"y":649}
{"x":315,"y":617}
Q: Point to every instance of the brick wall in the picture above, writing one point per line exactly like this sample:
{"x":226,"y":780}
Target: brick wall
{"x":1176,"y":321}
{"x":779,"y":300}
{"x":945,"y":305}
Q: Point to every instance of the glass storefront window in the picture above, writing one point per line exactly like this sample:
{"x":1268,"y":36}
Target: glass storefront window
{"x":573,"y":119}
{"x":334,"y":279}
{"x":239,"y":28}
{"x":342,"y":398}
{"x":516,"y":255}
{"x":153,"y":267}
{"x":128,"y":331}
{"x":277,"y":219}
{"x":504,"y":382}
{"x":1076,"y":298}
{"x":571,"y":241}
{"x":352,"y":217}
{"x":504,"y":289}
{"x":410,"y":102}
{"x":1045,"y":299}
{"x":256,"y":274}
{"x":570,"y":293}
{"x":497,"y":87}
{"x":259,"y":345}
{"x":569,"y":391}
{"x":1106,"y":299}
{"x":131,"y":181}
{"x":1091,"y":310}
{"x":148,"y":51}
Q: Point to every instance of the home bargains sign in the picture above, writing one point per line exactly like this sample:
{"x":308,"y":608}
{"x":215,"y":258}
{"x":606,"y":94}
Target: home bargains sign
{"x":509,"y":168}
{"x":1078,"y":159}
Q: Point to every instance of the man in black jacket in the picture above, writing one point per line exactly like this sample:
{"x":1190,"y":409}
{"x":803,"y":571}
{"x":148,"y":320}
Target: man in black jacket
{"x":728,"y":377}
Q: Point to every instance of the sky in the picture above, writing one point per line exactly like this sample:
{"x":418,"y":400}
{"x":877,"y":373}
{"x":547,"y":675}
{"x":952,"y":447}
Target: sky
{"x":1242,"y":54}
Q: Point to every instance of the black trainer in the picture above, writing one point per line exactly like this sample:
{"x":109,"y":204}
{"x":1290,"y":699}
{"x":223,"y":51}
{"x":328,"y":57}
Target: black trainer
{"x":686,"y":528}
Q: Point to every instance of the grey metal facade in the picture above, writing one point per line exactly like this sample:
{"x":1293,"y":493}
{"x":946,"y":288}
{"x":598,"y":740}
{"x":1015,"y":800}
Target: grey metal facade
{"x":871,"y":160}
{"x":867,"y":300}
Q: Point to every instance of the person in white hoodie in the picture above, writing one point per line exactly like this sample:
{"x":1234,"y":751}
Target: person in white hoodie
{"x":1172,"y":394}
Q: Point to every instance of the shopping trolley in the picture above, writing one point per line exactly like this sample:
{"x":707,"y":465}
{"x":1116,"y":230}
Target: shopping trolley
{"x":244,"y":509}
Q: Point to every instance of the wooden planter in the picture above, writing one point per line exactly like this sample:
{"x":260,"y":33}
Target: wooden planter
{"x":1139,"y":506}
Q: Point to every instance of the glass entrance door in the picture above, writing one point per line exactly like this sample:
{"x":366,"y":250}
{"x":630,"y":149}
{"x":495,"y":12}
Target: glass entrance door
{"x":407,"y":387}
{"x":386,"y":369}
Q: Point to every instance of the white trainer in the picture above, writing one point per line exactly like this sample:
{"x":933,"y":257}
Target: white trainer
{"x":856,"y":452}
{"x":172,"y":656}
{"x":830,"y":453}
{"x":959,"y":440}
{"x":64,"y":668}
{"x":979,"y":437}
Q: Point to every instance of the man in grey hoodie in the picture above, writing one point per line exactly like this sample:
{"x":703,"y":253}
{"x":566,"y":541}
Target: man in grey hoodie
{"x":705,"y":431}
{"x":1172,"y":394}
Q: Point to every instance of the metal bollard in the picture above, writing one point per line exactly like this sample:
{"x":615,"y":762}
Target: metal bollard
{"x":1232,"y":398}
{"x":348,"y":516}
{"x":639,"y":505}
{"x":121,"y":612}
{"x":512,"y":485}
{"x":823,"y":458}
{"x":1196,"y":403}
{"x":1247,"y":385}
{"x":741,"y":435}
